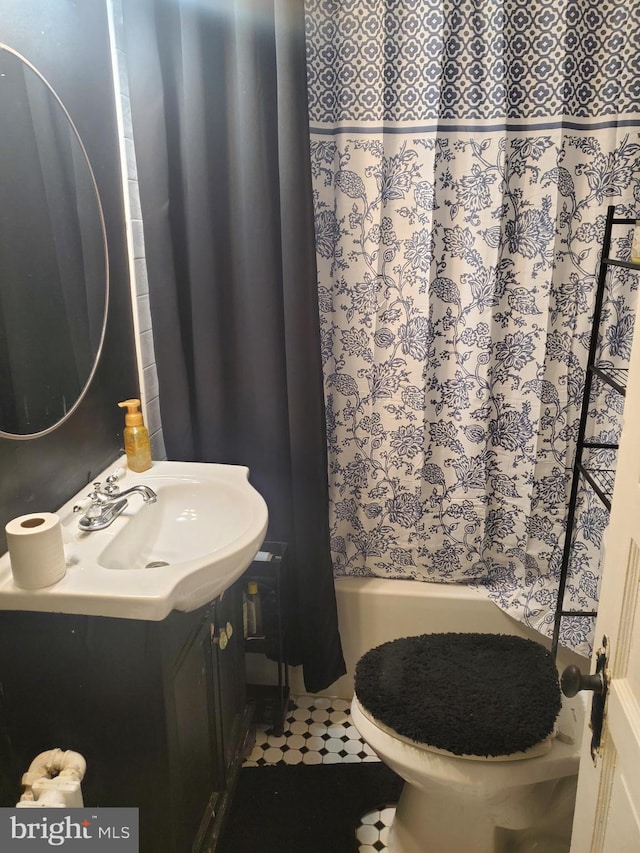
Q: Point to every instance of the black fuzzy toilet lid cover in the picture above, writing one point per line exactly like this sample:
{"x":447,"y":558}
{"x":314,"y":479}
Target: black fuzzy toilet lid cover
{"x":470,"y":694}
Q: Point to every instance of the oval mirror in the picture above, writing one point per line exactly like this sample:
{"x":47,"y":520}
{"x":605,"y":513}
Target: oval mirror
{"x":53,"y":256}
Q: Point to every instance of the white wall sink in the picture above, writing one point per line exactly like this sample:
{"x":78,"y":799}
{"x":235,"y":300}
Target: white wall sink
{"x":176,"y":554}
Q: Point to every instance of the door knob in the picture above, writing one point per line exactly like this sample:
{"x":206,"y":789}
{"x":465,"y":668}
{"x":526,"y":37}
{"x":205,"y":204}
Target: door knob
{"x":572,"y":681}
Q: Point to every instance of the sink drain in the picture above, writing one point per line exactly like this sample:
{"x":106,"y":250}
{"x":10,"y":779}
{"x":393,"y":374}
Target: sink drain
{"x":156,"y":564}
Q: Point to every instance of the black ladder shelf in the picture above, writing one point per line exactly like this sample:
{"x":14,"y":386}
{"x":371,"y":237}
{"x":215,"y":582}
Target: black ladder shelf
{"x":601,"y":481}
{"x":271,"y":702}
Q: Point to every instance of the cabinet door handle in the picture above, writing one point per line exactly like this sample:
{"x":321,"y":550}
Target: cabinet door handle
{"x":229,"y":630}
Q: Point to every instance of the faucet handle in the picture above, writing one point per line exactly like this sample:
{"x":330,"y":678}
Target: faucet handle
{"x":82,"y":504}
{"x":92,"y":498}
{"x":99,"y":496}
{"x":112,"y":487}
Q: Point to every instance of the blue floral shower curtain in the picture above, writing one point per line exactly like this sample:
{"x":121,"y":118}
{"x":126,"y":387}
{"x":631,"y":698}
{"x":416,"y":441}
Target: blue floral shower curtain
{"x":463,"y":157}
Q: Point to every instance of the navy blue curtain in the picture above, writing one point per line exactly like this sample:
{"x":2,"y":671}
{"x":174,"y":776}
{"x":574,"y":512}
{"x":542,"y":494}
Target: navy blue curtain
{"x":219,"y":109}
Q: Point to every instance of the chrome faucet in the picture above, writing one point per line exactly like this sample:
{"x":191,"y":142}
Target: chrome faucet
{"x":148,"y":495}
{"x":104,"y":505}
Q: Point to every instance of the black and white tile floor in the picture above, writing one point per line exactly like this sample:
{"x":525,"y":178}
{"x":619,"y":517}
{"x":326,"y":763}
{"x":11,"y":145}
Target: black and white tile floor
{"x":319,"y":730}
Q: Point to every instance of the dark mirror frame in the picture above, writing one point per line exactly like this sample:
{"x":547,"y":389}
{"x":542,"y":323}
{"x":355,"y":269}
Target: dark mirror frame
{"x":87,"y":382}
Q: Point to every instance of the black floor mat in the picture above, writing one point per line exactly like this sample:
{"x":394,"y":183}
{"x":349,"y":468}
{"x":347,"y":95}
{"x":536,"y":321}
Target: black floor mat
{"x":305,"y":808}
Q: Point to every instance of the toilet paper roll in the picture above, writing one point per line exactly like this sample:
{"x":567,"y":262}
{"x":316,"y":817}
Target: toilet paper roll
{"x":36,"y":550}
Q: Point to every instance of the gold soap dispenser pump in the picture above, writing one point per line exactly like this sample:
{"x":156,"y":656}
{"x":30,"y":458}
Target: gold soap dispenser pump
{"x":136,"y":437}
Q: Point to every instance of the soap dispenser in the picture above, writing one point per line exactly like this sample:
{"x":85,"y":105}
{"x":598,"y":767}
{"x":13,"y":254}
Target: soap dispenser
{"x":136,"y":437}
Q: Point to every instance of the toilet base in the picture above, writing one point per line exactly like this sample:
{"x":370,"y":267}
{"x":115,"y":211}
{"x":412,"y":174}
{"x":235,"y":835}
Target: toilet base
{"x":436,"y":822}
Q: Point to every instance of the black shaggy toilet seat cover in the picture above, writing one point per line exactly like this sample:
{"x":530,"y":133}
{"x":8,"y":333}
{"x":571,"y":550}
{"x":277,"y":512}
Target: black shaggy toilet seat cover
{"x":470,"y":694}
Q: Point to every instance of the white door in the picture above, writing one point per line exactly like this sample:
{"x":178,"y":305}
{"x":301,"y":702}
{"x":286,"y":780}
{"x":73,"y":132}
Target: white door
{"x":607,"y":817}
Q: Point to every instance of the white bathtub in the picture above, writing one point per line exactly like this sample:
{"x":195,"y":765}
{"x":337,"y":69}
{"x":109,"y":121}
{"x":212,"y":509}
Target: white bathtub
{"x":374,"y":610}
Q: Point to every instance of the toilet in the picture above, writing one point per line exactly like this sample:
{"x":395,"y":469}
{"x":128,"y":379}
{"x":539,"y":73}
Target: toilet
{"x":447,"y":713}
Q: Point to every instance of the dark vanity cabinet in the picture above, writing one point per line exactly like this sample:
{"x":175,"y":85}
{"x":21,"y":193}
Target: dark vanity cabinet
{"x":158,"y":709}
{"x":207,"y":718}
